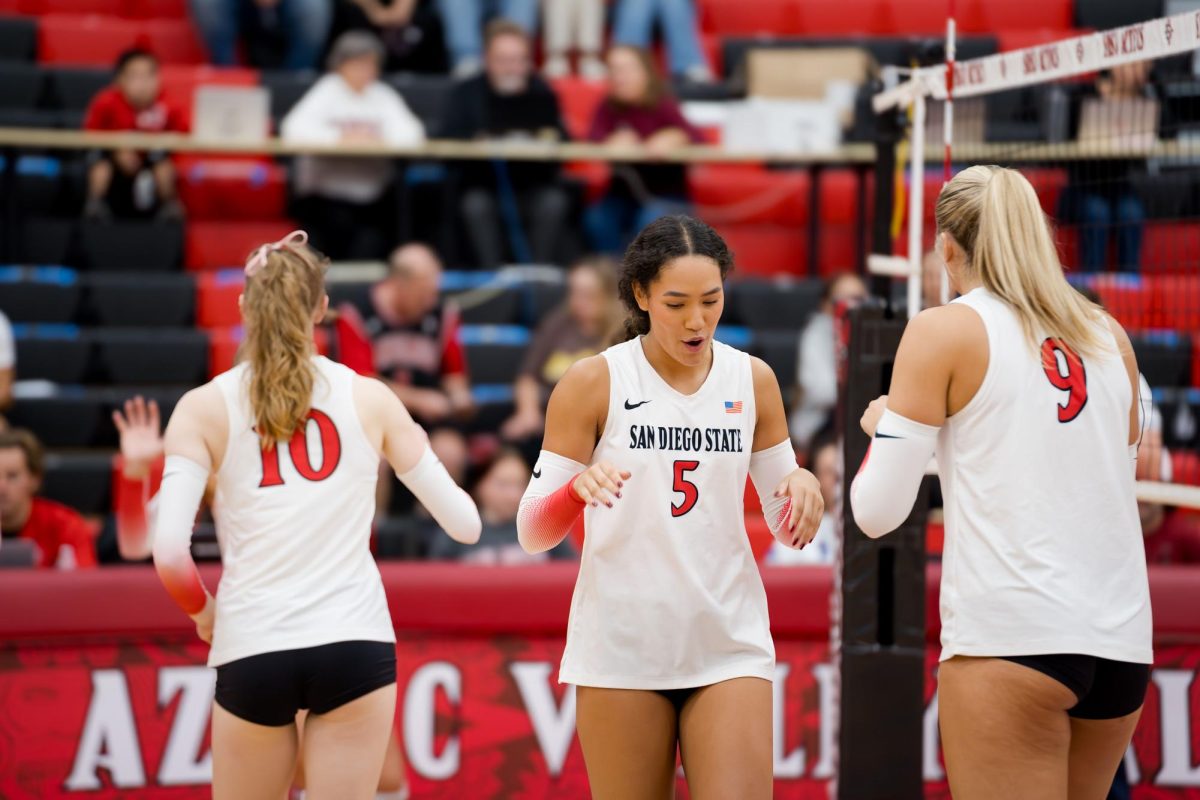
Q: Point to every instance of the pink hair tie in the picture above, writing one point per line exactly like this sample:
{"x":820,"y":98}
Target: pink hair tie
{"x":259,"y":259}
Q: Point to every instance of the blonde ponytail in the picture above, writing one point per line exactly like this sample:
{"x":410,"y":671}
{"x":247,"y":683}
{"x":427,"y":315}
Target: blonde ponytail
{"x":281,"y":296}
{"x":993,"y":213}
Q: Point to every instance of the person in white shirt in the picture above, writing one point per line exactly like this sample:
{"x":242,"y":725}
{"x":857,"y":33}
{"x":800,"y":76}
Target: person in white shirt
{"x":348,"y":205}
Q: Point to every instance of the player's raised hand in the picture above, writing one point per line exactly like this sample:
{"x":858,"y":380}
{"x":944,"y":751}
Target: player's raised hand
{"x":140,"y":428}
{"x":805,"y":509}
{"x":600,"y":483}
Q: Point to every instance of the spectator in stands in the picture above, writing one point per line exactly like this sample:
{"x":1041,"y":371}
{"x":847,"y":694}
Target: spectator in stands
{"x":63,"y":539}
{"x":463,"y":22}
{"x":129,"y":183}
{"x":1100,"y":197}
{"x":634,"y":24}
{"x":638,"y":112}
{"x":816,"y":368}
{"x":826,"y":463}
{"x":573,"y":25}
{"x":274,"y":33}
{"x":498,"y":494}
{"x":508,"y":101}
{"x":8,"y":366}
{"x":411,"y":32}
{"x":583,"y":325}
{"x":403,"y":332}
{"x":348,"y":205}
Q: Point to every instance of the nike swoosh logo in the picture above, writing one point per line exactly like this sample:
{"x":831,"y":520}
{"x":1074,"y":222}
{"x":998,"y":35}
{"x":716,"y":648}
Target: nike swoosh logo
{"x":537,"y":473}
{"x":886,"y":436}
{"x":631,"y":406}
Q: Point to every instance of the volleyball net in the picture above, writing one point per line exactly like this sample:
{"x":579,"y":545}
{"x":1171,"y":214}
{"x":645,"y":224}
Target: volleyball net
{"x":1106,"y":126}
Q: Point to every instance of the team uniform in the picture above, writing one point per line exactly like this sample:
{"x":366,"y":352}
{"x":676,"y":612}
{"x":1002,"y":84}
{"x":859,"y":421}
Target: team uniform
{"x":301,"y":617}
{"x":1043,"y":561}
{"x":669,"y":596}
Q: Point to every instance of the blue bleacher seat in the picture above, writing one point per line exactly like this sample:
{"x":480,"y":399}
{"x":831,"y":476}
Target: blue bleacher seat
{"x":140,"y":299}
{"x":39,"y":294}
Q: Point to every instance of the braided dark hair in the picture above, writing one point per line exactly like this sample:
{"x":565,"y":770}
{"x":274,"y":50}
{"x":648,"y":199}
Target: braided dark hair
{"x":660,"y":242}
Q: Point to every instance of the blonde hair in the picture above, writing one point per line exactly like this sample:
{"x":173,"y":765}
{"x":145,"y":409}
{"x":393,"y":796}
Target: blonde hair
{"x":278,"y":304}
{"x":993,"y":213}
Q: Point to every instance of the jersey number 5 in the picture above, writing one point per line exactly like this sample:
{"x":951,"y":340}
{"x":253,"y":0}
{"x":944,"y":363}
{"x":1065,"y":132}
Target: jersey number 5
{"x":1072,"y":378}
{"x":331,"y":452}
{"x":685,"y":487}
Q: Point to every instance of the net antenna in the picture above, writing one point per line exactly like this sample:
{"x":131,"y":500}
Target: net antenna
{"x":1177,"y":34}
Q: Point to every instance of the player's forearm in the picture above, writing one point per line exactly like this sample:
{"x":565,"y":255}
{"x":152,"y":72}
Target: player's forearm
{"x":886,"y":486}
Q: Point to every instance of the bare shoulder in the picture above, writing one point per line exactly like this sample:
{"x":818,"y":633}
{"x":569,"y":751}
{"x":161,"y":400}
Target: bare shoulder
{"x":1119,"y":333}
{"x":372,"y":391}
{"x":203,"y":406}
{"x":946,"y":330}
{"x":586,"y":379}
{"x":765,"y":379}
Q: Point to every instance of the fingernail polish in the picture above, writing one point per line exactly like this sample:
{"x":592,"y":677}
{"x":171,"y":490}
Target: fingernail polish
{"x":618,"y":494}
{"x":609,"y":505}
{"x":594,"y":504}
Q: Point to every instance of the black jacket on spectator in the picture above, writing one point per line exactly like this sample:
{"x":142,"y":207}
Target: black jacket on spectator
{"x":477,"y":112}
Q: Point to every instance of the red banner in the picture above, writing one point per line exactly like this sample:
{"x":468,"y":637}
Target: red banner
{"x":126,"y":714}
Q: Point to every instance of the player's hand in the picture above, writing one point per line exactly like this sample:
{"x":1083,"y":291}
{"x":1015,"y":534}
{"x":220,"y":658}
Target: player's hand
{"x":204,"y":620}
{"x":803,"y":491}
{"x":600,"y":483}
{"x":870,"y":418}
{"x":140,"y":428}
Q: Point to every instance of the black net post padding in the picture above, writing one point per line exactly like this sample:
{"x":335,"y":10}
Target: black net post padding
{"x":881,"y":629}
{"x":889,"y":130}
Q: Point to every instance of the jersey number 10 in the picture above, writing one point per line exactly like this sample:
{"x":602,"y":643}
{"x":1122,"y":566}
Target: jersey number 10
{"x":1070,"y":378}
{"x":331,"y":452}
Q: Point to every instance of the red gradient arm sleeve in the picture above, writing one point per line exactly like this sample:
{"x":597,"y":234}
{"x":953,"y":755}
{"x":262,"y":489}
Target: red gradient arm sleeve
{"x":133,"y":506}
{"x":550,"y":506}
{"x":179,"y":499}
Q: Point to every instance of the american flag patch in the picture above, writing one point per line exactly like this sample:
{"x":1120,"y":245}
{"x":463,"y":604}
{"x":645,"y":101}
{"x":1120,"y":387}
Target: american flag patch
{"x":733,"y":406}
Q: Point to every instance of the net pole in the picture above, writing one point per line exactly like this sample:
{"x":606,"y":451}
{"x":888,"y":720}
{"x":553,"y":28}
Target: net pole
{"x":916,"y":206}
{"x":948,"y":127}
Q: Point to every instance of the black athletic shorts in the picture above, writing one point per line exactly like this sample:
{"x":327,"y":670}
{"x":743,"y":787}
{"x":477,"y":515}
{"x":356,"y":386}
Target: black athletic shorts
{"x":269,"y":689}
{"x":1105,"y":689}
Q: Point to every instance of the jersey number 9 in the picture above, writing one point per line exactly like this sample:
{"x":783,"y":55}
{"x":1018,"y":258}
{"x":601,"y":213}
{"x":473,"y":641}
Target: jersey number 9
{"x":1065,"y":371}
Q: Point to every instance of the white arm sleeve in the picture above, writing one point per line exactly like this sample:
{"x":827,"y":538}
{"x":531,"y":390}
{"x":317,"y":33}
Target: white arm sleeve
{"x":179,"y":499}
{"x":548,"y":508}
{"x":768,"y":468}
{"x":885,"y":488}
{"x":451,"y":507}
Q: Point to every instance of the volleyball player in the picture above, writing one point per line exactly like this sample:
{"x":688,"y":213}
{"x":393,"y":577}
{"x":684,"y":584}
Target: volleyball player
{"x":651,"y":441}
{"x":301,"y":620}
{"x":1028,"y":394}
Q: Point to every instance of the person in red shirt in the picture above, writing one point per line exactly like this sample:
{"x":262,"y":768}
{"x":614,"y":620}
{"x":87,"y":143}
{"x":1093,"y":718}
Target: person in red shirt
{"x":130,"y":183}
{"x":63,"y":538}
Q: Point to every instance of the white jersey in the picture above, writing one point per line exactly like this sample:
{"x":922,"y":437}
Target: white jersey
{"x":294,"y":525}
{"x":668,"y":594}
{"x":1043,"y":548}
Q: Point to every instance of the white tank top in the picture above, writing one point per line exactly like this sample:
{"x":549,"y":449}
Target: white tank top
{"x":294,"y":525}
{"x":1043,"y":548}
{"x":668,"y":594}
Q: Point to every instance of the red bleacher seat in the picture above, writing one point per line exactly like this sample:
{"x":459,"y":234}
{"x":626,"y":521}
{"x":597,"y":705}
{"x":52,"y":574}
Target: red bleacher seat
{"x":232,"y":188}
{"x":1185,"y":467}
{"x":1175,"y":302}
{"x":839,"y":197}
{"x":1018,"y":39}
{"x":594,"y":175}
{"x":1196,"y":360}
{"x":841,"y":17}
{"x":736,"y":193}
{"x":759,"y":534}
{"x":85,"y":40}
{"x":748,"y":17}
{"x":156,"y":9}
{"x":216,"y":299}
{"x":1171,"y":247}
{"x":1025,"y":15}
{"x":212,"y":245}
{"x":578,"y":99}
{"x":911,"y":18}
{"x":1127,"y":297}
{"x":1049,"y":185}
{"x":96,"y":41}
{"x":714,"y":52}
{"x":40,"y":8}
{"x":837,"y":249}
{"x":764,"y":249}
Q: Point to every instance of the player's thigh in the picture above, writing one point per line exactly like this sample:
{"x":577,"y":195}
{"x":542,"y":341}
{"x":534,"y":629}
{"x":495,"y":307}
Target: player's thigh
{"x":628,"y":738}
{"x":344,"y":749}
{"x":250,"y":761}
{"x":725,"y":735}
{"x":1005,"y":730}
{"x":1097,"y":747}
